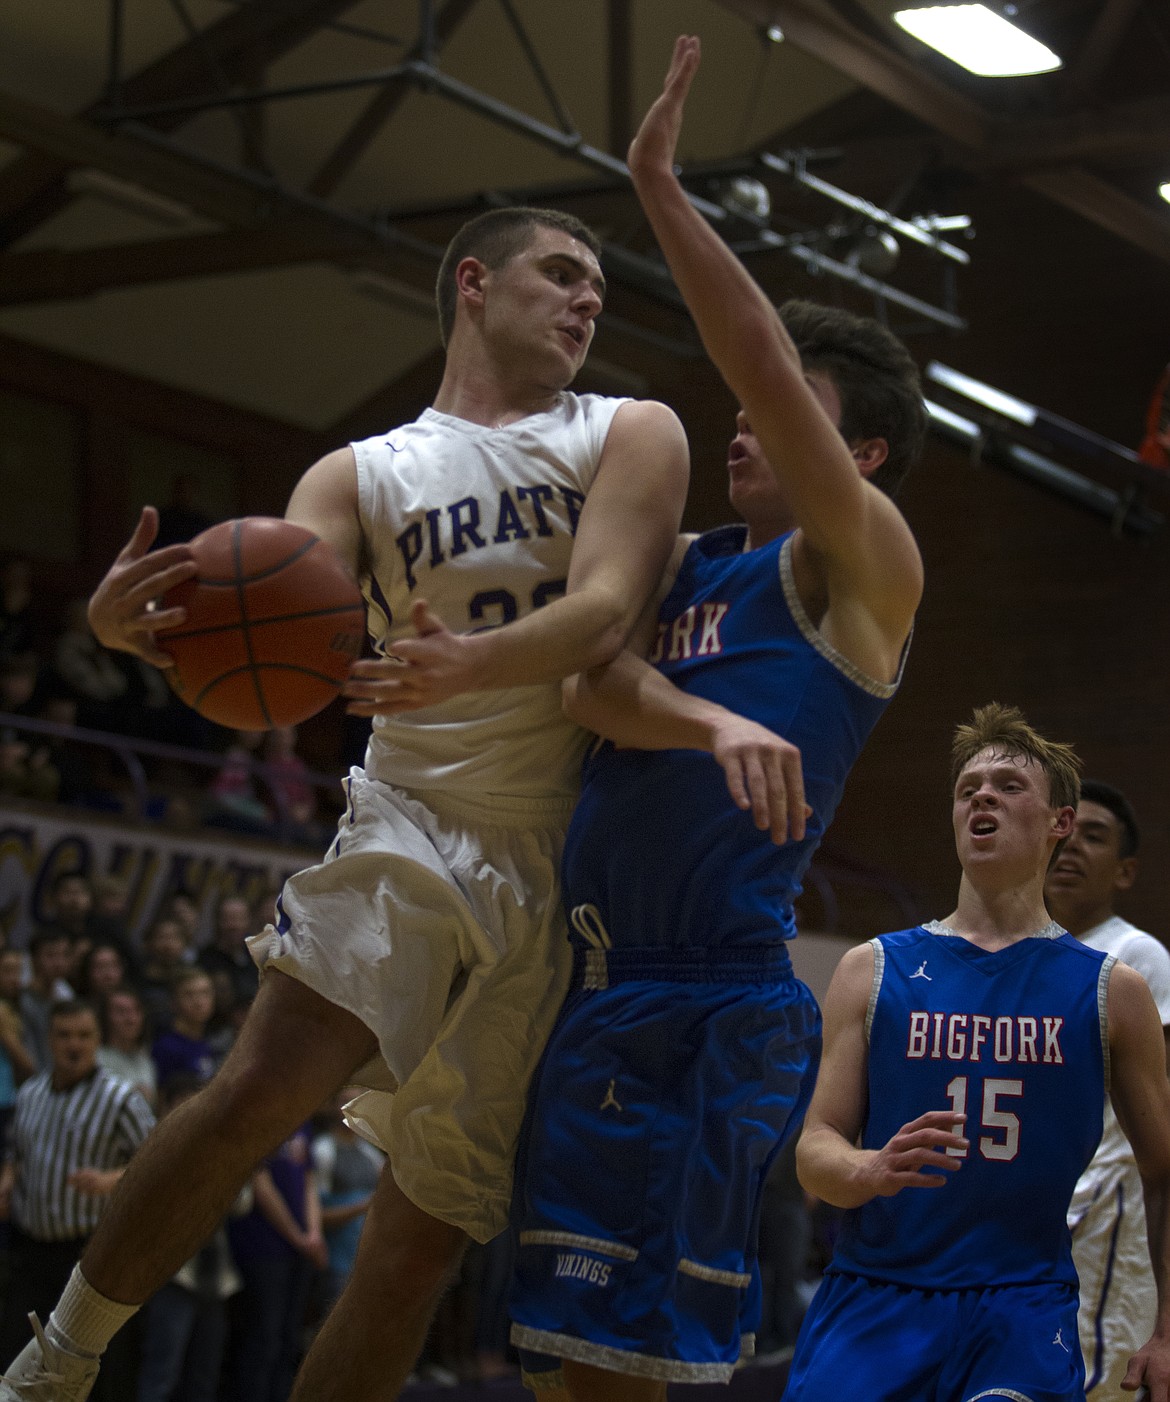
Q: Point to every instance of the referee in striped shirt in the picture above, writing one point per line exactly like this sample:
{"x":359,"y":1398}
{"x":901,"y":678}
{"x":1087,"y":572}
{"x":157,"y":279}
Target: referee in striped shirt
{"x":73,"y":1131}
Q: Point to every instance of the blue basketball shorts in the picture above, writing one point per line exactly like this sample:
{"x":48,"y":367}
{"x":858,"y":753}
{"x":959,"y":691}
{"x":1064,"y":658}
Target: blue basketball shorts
{"x":892,"y":1343}
{"x":654,"y":1117}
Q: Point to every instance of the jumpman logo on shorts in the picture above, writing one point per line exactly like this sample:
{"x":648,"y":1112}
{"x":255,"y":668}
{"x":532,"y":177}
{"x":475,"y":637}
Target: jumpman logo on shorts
{"x":920,"y":972}
{"x":610,"y":1098}
{"x":1061,"y":1342}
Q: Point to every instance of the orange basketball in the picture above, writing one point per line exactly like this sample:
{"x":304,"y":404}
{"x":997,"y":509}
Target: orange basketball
{"x":273,"y":622}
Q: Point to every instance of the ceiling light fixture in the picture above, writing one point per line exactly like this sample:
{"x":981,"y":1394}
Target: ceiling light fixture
{"x":979,"y":40}
{"x":1005,"y":404}
{"x":1164,"y":191}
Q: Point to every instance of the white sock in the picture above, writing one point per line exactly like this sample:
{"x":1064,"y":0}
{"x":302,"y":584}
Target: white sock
{"x":84,"y":1322}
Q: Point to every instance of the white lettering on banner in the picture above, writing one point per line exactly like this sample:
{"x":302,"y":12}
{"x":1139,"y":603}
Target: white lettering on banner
{"x":36,"y":848}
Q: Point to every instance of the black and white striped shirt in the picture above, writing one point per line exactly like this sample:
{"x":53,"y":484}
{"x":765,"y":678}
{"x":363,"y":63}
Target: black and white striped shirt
{"x":98,"y":1123}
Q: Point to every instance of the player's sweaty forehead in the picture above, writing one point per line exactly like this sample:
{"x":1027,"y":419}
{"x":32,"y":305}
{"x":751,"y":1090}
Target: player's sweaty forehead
{"x":999,"y":766}
{"x":551,"y":248}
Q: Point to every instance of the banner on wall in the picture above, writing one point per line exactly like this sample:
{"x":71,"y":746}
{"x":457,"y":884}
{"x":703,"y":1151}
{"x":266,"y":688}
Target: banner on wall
{"x":36,"y":848}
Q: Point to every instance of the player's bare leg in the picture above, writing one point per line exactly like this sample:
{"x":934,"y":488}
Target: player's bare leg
{"x":585,"y":1383}
{"x":370,"y":1342}
{"x":294,"y":1050}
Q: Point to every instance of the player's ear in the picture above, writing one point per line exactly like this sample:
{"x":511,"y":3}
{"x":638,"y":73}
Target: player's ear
{"x":1063,"y":821}
{"x":1126,"y":874}
{"x":469,"y":280}
{"x":869,"y":454}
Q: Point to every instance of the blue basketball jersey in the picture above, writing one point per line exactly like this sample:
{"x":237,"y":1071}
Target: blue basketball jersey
{"x":1017,"y":1039}
{"x":657,"y":853}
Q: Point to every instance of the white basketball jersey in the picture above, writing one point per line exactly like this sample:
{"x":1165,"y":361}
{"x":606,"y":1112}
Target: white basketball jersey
{"x":479,"y":522}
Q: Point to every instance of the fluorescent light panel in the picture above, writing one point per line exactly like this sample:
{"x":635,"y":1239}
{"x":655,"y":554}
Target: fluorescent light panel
{"x":940,"y":414}
{"x":990,"y":398}
{"x":979,"y":40}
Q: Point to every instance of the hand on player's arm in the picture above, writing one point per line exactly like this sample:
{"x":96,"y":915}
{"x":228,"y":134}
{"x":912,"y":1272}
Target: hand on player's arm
{"x":631,"y":703}
{"x":122,"y":610}
{"x":625,"y":534}
{"x":1141,"y":1097}
{"x":829,"y":1162}
{"x":864,"y":544}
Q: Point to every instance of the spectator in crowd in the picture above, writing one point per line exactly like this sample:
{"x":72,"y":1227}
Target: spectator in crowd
{"x":74,"y":1130}
{"x":234,"y":801}
{"x":79,"y":767}
{"x":18,"y":631}
{"x":227,"y":953}
{"x":183,"y":1048}
{"x":183,"y":907}
{"x":125,"y":1051}
{"x":91,"y":672}
{"x":278,"y":1247}
{"x":20,"y":683}
{"x":164,"y":952}
{"x":68,"y":908}
{"x":108,"y":920}
{"x":16,"y":1063}
{"x":27,"y":769}
{"x":1118,"y":1299}
{"x":295,"y":799}
{"x":185,"y":1323}
{"x":102,"y":970}
{"x":347,"y":1169}
{"x":50,"y":954}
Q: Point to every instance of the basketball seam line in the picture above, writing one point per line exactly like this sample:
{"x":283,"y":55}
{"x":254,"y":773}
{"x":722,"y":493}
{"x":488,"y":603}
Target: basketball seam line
{"x":242,"y":602}
{"x":235,"y":624}
{"x":271,"y":666}
{"x":228,"y":583}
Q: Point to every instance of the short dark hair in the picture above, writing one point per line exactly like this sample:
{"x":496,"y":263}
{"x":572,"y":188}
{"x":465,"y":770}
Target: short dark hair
{"x":47,"y":934}
{"x":495,"y":238}
{"x":74,"y":1007}
{"x":1095,"y":791}
{"x":875,"y":375}
{"x":126,"y":990}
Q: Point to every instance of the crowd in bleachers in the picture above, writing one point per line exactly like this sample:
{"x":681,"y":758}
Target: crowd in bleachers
{"x":53,"y":669}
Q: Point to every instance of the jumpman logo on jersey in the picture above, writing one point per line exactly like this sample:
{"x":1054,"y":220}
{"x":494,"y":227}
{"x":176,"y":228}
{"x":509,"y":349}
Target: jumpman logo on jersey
{"x":920,"y":972}
{"x":1061,"y":1342}
{"x":610,"y":1098}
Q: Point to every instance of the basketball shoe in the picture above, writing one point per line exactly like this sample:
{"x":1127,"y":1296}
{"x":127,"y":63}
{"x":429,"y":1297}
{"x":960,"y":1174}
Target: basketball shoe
{"x":43,"y":1372}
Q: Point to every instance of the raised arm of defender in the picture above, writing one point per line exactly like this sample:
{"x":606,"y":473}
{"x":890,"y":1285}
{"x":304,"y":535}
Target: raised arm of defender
{"x":856,"y":534}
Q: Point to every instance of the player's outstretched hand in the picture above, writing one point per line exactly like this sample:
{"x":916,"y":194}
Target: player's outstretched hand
{"x":763,"y":775}
{"x":653,"y":147}
{"x":122,"y":611}
{"x":915,"y":1157}
{"x":418,"y":672}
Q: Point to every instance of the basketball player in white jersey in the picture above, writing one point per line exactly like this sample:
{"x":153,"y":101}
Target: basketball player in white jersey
{"x":427,"y":948}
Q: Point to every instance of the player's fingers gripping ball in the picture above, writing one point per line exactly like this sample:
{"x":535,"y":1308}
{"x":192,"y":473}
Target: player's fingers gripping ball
{"x":274,"y":621}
